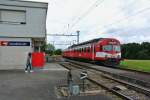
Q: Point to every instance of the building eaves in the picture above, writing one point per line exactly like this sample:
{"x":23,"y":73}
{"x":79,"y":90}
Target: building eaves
{"x":22,"y":3}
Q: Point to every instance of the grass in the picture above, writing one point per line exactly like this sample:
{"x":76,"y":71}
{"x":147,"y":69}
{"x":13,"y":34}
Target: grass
{"x":140,"y":65}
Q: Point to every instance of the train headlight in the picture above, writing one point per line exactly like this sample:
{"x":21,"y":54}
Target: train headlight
{"x":118,"y":56}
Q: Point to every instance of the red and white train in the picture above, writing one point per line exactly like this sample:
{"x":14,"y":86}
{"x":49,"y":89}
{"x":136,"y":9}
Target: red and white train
{"x":104,"y":50}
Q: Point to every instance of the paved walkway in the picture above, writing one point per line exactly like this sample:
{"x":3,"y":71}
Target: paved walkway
{"x":39,"y":85}
{"x":53,"y":66}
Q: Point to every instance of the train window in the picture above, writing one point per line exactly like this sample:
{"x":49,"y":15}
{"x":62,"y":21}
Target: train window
{"x":85,"y":49}
{"x":116,"y":48}
{"x":88,"y":49}
{"x":108,"y":48}
{"x":80,"y":49}
{"x":100,"y":47}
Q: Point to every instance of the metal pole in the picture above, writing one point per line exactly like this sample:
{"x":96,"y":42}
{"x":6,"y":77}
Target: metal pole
{"x":83,"y":86}
{"x":78,"y":34}
{"x":70,"y":81}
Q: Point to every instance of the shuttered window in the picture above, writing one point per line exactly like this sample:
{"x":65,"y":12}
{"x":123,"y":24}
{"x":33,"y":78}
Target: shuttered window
{"x":12,"y":16}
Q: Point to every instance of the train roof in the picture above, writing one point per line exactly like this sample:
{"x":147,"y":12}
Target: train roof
{"x":86,"y":42}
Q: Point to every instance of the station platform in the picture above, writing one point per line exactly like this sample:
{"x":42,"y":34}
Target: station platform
{"x":39,"y":85}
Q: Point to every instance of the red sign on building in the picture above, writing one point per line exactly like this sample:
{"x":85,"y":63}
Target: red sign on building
{"x":3,"y":43}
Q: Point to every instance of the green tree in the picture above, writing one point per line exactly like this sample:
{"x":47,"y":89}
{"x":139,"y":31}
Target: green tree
{"x":50,"y":49}
{"x":58,"y":52}
{"x":136,"y":50}
{"x":43,"y":47}
{"x":143,"y":55}
{"x":130,"y":50}
{"x":145,"y":50}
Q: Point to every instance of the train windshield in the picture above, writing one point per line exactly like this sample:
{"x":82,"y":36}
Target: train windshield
{"x":111,"y":48}
{"x":116,"y":48}
{"x":108,"y":48}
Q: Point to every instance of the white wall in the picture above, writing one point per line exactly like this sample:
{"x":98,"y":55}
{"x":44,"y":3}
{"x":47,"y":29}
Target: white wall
{"x":34,"y":15}
{"x":14,"y":57}
{"x":35,"y":22}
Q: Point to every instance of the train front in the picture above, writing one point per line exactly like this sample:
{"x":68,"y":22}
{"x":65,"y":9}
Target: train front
{"x":110,"y":51}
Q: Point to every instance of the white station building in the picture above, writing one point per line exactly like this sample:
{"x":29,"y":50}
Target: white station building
{"x":22,"y":30}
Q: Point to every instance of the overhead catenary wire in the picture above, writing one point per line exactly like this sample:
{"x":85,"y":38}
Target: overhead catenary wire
{"x":113,"y":23}
{"x":125,"y":18}
{"x":123,"y":9}
{"x":90,"y":9}
{"x":96,"y":4}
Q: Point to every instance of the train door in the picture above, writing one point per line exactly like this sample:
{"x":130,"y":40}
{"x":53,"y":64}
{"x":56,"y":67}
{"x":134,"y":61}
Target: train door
{"x":80,"y":52}
{"x":88,"y":52}
{"x":84,"y":51}
{"x":93,"y":51}
{"x":97,"y":50}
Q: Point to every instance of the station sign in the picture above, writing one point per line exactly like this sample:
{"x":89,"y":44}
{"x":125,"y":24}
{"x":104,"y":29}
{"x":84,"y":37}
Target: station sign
{"x":14,"y":43}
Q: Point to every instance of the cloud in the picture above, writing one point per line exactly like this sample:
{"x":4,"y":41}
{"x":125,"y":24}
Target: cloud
{"x":126,"y":20}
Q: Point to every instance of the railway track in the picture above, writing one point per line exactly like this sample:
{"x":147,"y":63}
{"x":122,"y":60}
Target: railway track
{"x":121,"y":88}
{"x":116,"y":73}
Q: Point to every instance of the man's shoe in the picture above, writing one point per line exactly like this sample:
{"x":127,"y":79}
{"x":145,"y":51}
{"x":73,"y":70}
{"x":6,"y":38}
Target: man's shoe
{"x":26,"y":71}
{"x":31,"y":71}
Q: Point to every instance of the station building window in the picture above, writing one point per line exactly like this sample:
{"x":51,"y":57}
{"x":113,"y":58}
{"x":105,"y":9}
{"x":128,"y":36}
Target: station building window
{"x":12,"y":16}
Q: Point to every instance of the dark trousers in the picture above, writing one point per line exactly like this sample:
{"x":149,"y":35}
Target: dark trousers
{"x":28,"y":67}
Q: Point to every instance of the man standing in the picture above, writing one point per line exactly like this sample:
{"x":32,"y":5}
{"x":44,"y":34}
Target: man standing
{"x":28,"y":64}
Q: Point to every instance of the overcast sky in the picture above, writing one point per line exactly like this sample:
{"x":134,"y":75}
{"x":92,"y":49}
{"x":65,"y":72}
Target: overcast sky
{"x":126,"y":20}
